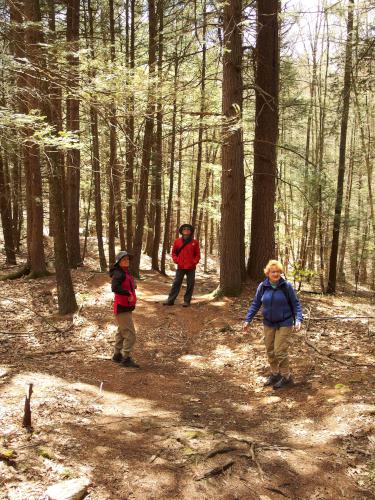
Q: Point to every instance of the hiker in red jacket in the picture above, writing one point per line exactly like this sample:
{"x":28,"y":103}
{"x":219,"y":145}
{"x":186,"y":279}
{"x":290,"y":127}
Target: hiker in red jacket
{"x":186,"y":254}
{"x":123,"y":286}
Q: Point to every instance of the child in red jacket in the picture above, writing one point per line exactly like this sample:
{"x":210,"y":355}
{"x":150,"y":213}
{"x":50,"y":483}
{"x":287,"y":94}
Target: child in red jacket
{"x":186,"y":254}
{"x":123,"y":286}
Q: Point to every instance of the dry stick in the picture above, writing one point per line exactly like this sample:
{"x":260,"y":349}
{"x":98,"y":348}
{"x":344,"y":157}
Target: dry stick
{"x":35,"y":331}
{"x":220,"y":451}
{"x":37,"y":314}
{"x":329,"y":356}
{"x":215,"y":471}
{"x":27,"y":410}
{"x":48,"y":353}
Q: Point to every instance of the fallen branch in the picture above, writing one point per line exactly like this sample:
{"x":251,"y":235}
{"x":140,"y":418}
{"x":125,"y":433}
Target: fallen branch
{"x":329,"y":356}
{"x":50,"y":353}
{"x":215,"y":471}
{"x":3,"y":332}
{"x":220,"y":451}
{"x":327,"y":318}
{"x":276,"y":490}
{"x":37,"y":314}
{"x":16,"y":333}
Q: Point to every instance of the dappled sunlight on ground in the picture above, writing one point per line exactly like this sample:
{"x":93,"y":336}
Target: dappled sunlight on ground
{"x":197,"y":404}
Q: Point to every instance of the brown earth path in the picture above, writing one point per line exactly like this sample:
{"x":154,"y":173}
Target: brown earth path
{"x":196,"y":406}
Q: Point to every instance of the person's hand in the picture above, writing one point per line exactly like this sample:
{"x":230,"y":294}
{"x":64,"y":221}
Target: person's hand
{"x":297,"y":326}
{"x":245,"y":326}
{"x":131,"y":299}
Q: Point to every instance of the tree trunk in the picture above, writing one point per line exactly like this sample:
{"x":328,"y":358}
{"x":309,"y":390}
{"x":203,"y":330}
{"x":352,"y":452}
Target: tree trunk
{"x":168,"y":217}
{"x":115,"y":176}
{"x":179,"y":176}
{"x":6,"y":216}
{"x":147,"y":142}
{"x":201,"y":114}
{"x":232,"y":155}
{"x":31,"y":11}
{"x":72,"y":124}
{"x":17,"y":201}
{"x":158,"y":143}
{"x":262,"y":244}
{"x":331,"y":288}
{"x":96,"y":168}
{"x":65,"y":291}
{"x":129,"y":125}
{"x":348,"y":196}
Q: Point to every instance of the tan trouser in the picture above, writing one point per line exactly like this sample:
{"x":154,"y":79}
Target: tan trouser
{"x":125,"y":336}
{"x":277,"y":343}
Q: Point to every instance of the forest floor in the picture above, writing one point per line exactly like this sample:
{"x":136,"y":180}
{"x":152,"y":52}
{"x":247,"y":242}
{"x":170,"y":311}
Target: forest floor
{"x":195,"y":421}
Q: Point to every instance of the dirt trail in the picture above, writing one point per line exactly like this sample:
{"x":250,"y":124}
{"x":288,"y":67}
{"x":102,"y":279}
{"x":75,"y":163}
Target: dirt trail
{"x":194,"y":422}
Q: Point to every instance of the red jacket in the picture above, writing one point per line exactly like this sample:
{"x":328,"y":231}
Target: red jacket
{"x":123,"y":286}
{"x":189,"y":256}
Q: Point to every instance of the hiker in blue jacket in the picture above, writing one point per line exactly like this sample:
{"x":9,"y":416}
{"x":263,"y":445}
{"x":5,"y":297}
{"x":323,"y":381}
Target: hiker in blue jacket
{"x":281,"y":310}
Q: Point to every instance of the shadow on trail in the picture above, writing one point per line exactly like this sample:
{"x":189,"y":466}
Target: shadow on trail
{"x":153,"y":428}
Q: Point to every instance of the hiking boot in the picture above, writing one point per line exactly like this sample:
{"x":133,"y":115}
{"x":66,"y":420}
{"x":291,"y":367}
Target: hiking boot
{"x":186,"y":304}
{"x":272,"y":379}
{"x":283,"y":382}
{"x":129,"y":363}
{"x":168,"y":303}
{"x":117,"y":358}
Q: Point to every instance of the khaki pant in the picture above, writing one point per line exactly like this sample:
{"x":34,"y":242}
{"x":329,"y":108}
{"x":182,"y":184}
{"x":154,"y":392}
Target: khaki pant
{"x":125,"y":336}
{"x":277,"y":343}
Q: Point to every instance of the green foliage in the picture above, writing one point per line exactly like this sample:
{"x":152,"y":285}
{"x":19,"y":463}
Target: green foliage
{"x":301,"y":275}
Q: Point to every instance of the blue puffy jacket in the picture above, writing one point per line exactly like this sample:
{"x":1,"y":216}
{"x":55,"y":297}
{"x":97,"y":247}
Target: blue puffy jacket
{"x":276,"y":308}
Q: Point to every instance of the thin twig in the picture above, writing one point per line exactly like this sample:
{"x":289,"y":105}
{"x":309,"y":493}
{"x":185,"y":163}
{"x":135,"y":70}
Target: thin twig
{"x":36,"y":313}
{"x":50,"y":353}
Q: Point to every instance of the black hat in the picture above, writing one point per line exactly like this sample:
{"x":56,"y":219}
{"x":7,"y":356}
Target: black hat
{"x":121,"y":255}
{"x":186,"y":226}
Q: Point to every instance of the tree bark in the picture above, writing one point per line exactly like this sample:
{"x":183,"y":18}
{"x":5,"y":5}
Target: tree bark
{"x":6,"y":216}
{"x":31,"y":14}
{"x":331,"y":288}
{"x":158,"y":143}
{"x":201,"y":115}
{"x":73,"y":157}
{"x":232,"y":257}
{"x":147,"y":142}
{"x":96,"y":167}
{"x":262,"y":244}
{"x":129,"y":125}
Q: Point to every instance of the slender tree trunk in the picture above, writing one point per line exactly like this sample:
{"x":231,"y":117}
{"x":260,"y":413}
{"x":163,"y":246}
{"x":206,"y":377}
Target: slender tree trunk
{"x":179,"y":174}
{"x":147,"y":142}
{"x":201,"y":115}
{"x":168,"y":217}
{"x":129,"y":125}
{"x":262,"y":244}
{"x":73,"y":159}
{"x":17,"y":201}
{"x":114,"y":174}
{"x":158,"y":142}
{"x":331,"y":288}
{"x":348,"y":196}
{"x":96,"y":167}
{"x":6,"y":216}
{"x":17,"y":47}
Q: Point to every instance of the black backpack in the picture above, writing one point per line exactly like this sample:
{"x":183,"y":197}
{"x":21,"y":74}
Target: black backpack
{"x":284,"y":288}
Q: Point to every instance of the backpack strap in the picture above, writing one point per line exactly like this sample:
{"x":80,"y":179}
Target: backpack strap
{"x":285,"y":290}
{"x":178,"y":251}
